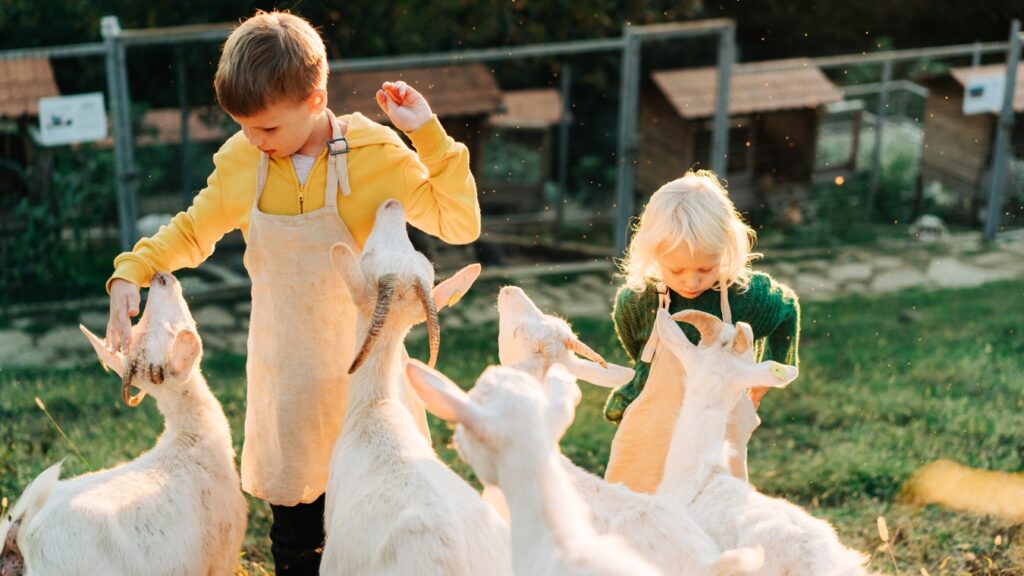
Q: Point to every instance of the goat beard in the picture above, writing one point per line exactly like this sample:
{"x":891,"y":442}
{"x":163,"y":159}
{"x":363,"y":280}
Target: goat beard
{"x":12,"y":563}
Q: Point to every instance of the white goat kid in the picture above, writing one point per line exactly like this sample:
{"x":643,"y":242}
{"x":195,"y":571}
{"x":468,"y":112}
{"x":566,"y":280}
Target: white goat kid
{"x":392,"y":506}
{"x":177,"y":509}
{"x":508,"y":432}
{"x":658,"y":528}
{"x":718,"y":373}
{"x":533,"y":341}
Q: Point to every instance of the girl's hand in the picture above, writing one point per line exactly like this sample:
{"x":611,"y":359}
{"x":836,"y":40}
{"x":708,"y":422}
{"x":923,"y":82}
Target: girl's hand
{"x":407,"y":108}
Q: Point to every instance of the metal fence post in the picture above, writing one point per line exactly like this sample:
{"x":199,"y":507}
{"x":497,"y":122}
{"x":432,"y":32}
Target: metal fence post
{"x":876,"y":156}
{"x":628,"y":92}
{"x":120,"y":104}
{"x":1003,"y":132}
{"x":720,"y":136}
{"x":563,"y":146}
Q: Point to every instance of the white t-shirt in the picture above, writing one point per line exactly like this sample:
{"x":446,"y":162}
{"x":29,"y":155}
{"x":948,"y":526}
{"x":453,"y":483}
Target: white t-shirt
{"x":303,"y":165}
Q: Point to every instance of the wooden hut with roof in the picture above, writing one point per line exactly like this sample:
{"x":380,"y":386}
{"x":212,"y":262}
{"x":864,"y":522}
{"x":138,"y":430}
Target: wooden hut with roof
{"x":22,"y":83}
{"x":518,"y":150}
{"x":463,"y":97}
{"x":774,"y":111}
{"x":958,"y":147}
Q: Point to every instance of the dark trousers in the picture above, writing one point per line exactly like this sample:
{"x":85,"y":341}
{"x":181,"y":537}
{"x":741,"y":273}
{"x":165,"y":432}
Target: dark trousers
{"x":297,"y":538}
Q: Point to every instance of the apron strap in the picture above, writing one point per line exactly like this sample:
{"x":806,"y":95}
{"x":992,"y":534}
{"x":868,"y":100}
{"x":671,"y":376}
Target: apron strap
{"x":652,"y":342}
{"x":337,"y":164}
{"x":261,"y":177}
{"x":726,"y":311}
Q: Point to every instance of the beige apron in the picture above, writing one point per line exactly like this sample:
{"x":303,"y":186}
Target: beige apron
{"x":301,"y":342}
{"x":642,"y":440}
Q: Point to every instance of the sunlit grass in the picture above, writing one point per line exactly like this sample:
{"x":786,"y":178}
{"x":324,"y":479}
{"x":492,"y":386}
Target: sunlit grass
{"x":886,"y":385}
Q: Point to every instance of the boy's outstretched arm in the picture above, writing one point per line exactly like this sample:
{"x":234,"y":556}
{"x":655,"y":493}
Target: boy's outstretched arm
{"x":185,"y":242}
{"x":439,"y":192}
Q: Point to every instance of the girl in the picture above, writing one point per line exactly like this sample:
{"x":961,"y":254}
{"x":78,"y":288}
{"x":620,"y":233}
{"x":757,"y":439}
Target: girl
{"x":691,"y":250}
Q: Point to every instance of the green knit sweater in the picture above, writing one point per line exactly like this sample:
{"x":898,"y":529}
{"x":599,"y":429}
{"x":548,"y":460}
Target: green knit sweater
{"x":769,"y":307}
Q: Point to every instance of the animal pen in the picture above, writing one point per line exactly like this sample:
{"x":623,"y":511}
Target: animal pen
{"x":802,"y":133}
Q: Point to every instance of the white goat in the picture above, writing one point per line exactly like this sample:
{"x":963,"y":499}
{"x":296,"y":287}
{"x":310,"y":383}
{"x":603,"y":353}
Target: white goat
{"x":658,"y":528}
{"x":718,"y":373}
{"x":508,"y":432}
{"x":392,"y":506}
{"x":177,"y":509}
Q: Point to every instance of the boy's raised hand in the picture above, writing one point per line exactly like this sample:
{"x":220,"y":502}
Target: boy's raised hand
{"x":124,"y":303}
{"x":407,"y":108}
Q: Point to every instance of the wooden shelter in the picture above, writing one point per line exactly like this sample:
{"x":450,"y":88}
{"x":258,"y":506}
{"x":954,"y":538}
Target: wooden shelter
{"x":22,"y":83}
{"x":463,"y":97}
{"x":773,"y":126}
{"x":518,"y":150}
{"x":958,"y":147}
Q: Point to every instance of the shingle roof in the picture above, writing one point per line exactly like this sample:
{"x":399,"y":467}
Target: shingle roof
{"x":963,"y":75}
{"x":22,"y":83}
{"x":754,"y":87}
{"x":451,"y":90}
{"x":530,"y":109}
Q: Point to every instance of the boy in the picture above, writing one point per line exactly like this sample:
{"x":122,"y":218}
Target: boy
{"x":296,"y":181}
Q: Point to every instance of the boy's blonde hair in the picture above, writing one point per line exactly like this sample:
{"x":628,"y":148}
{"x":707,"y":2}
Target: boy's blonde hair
{"x":270,"y":57}
{"x":694,"y":210}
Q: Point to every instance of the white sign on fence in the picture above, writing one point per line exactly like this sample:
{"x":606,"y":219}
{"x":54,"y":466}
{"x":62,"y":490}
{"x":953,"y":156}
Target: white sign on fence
{"x":67,"y":119}
{"x":984,"y":93}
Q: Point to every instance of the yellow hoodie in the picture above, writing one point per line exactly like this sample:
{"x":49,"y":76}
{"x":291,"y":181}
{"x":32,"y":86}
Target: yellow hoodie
{"x":434,"y":185}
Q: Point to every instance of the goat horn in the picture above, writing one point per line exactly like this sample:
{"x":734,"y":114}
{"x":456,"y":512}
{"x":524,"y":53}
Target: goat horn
{"x":385,"y":292}
{"x":708,"y":325}
{"x":433,"y":328}
{"x":577,"y":346}
{"x":126,"y":385}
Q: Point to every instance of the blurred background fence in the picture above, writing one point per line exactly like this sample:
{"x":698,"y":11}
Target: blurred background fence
{"x":567,"y":141}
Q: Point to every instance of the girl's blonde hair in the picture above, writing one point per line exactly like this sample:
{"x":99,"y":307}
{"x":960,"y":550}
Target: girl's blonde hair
{"x":271,"y":57}
{"x":694,"y":210}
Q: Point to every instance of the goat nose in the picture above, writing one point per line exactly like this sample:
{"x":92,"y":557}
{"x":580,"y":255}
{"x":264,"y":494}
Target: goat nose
{"x":391,"y":204}
{"x":160,"y":278}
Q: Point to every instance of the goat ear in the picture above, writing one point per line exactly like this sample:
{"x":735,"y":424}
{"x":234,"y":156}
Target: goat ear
{"x":441,"y":396}
{"x":450,"y":291}
{"x":347,"y":263}
{"x":611,"y":376}
{"x":563,"y":395}
{"x":770,"y":374}
{"x":672,"y":335}
{"x":744,"y":338}
{"x":109,"y":359}
{"x":185,"y":350}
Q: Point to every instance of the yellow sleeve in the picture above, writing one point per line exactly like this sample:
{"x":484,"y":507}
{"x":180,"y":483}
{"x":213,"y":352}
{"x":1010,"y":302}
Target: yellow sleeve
{"x":189,"y":238}
{"x":439,"y":192}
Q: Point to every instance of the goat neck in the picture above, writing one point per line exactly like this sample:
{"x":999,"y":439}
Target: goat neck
{"x":698,"y":450}
{"x":193,"y":413}
{"x":378,"y":378}
{"x":546,"y":510}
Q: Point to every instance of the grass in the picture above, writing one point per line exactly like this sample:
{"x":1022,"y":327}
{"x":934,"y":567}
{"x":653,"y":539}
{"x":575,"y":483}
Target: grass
{"x":887,"y":384}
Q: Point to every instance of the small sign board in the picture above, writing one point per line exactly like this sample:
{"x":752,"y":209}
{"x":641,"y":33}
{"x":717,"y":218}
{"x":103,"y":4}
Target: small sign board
{"x":984,"y":93}
{"x":68,"y":119}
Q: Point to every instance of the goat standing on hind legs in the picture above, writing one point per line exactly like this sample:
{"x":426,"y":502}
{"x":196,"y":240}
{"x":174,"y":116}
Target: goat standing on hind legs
{"x":392,"y":506}
{"x":177,"y":509}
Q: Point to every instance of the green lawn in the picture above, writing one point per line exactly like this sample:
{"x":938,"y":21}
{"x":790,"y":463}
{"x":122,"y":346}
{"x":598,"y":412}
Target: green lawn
{"x":886,"y":384}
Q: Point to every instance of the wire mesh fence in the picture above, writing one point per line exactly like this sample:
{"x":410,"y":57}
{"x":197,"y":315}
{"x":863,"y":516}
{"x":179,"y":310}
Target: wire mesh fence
{"x":554,"y":147}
